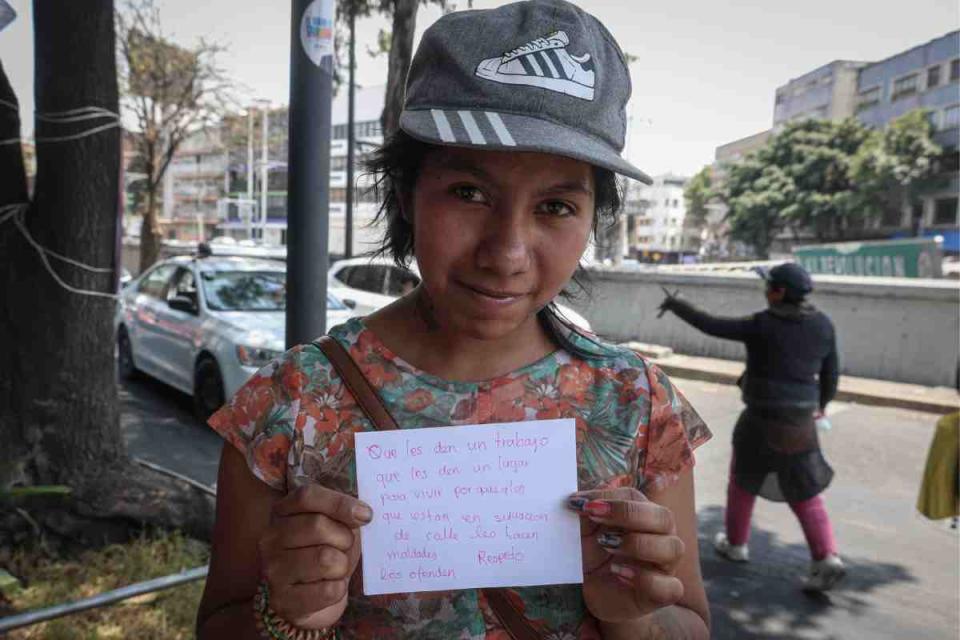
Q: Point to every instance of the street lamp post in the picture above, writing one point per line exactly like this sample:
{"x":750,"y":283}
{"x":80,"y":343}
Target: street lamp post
{"x":264,"y":179}
{"x":311,"y":87}
{"x":351,"y":134}
{"x":249,"y":215}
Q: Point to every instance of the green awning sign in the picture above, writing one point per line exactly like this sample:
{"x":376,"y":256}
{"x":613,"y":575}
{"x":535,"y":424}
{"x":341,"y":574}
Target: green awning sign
{"x":908,"y":258}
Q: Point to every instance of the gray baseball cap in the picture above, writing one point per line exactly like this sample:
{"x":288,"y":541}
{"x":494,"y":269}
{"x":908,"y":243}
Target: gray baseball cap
{"x":538,"y":75}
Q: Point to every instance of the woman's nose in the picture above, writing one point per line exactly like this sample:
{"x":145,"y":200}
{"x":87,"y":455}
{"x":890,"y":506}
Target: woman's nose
{"x":505,"y":248}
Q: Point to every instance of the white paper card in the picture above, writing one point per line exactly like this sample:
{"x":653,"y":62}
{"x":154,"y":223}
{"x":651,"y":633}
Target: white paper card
{"x":469,"y":507}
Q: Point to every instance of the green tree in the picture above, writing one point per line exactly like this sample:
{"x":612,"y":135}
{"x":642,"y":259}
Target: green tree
{"x":756,"y":193}
{"x":893,"y":165}
{"x":171,"y":92}
{"x":698,"y":192}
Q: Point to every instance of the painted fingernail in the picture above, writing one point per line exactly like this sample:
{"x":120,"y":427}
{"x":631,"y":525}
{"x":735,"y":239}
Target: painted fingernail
{"x":622,"y":571}
{"x":610,"y":540}
{"x":362,"y":512}
{"x":599,"y":508}
{"x":577,"y":503}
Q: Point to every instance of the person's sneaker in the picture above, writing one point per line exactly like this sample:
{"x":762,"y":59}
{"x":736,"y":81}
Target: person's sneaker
{"x":545,"y":63}
{"x":825,"y":574}
{"x":732,"y":552}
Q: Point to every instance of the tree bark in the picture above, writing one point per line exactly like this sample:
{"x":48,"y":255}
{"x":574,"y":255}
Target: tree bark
{"x":401,"y":53}
{"x":150,"y":235}
{"x":58,"y":397}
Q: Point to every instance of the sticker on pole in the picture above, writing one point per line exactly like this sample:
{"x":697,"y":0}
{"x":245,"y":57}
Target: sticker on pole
{"x":316,"y":30}
{"x":7,"y":14}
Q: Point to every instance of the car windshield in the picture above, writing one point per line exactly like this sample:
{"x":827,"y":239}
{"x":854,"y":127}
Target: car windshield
{"x":251,"y":291}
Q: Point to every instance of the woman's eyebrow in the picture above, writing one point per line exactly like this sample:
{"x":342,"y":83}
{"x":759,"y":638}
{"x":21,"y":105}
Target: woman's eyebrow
{"x":464,"y":166}
{"x":566,"y":187}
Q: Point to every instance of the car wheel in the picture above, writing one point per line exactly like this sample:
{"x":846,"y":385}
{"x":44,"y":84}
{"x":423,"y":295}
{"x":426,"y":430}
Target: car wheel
{"x":208,"y":393}
{"x":126,"y":369}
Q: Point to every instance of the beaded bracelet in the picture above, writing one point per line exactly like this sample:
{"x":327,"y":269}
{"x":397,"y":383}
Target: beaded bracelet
{"x":273,"y":627}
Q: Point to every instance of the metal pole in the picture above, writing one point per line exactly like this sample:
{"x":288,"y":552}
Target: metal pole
{"x":28,"y":618}
{"x":351,"y":134}
{"x":249,"y":208}
{"x":264,"y":181}
{"x":311,"y":88}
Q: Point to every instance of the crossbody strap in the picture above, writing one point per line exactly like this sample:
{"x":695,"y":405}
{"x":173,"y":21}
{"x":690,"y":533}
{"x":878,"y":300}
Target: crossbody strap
{"x":512,"y":619}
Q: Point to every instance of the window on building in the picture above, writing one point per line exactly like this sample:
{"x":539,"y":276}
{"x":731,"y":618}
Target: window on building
{"x":338,"y":164}
{"x":951,"y":117}
{"x":945,"y":211}
{"x":933,"y":77}
{"x":892,"y":217}
{"x":933,"y":118}
{"x":868,"y":98}
{"x":905,"y":86}
{"x":954,"y":69}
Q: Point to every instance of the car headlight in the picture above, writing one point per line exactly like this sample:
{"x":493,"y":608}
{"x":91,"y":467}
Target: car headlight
{"x":256,"y":356}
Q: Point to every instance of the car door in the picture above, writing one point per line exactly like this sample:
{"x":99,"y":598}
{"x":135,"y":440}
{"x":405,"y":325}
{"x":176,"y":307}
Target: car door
{"x":142,"y":320}
{"x":369,"y":283}
{"x":178,"y":331}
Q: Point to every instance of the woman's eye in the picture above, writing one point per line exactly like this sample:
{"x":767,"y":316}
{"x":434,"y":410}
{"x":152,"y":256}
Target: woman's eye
{"x":556,"y":208}
{"x":469,"y":194}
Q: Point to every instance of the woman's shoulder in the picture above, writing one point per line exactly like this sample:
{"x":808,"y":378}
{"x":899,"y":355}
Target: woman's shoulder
{"x":601,"y":353}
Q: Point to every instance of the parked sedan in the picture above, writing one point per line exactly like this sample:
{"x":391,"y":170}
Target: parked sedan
{"x":205,"y":325}
{"x":371,"y":283}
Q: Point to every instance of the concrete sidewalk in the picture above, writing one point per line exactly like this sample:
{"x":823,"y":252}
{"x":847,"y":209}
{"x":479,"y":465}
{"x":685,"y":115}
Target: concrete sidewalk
{"x":941,"y":400}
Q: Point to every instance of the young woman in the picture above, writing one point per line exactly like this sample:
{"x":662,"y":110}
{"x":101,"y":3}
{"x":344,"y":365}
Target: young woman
{"x":510,"y":137}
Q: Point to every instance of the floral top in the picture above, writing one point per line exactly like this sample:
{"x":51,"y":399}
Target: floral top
{"x":294,"y":418}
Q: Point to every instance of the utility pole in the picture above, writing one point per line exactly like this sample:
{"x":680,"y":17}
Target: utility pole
{"x":249,"y":207}
{"x":351,"y":135}
{"x":311,"y":88}
{"x":264,"y":169}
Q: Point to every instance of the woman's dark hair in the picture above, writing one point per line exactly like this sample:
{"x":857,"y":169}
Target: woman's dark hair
{"x":395,"y":167}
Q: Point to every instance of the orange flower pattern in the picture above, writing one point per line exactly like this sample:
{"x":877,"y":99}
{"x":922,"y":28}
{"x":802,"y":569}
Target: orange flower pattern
{"x":294,"y":418}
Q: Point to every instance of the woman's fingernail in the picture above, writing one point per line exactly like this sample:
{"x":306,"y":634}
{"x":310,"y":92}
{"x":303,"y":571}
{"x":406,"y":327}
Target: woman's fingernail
{"x":599,"y":508}
{"x":577,"y":503}
{"x":362,"y":512}
{"x":622,"y":571}
{"x":610,"y":540}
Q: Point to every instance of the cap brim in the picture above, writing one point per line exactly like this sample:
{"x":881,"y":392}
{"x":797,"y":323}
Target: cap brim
{"x":512,"y":132}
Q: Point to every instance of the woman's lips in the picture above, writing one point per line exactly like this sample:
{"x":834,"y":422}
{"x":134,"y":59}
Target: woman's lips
{"x":492,"y":295}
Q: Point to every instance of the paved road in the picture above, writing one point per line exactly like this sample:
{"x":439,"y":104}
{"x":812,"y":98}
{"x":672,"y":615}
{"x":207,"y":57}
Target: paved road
{"x":903,"y":569}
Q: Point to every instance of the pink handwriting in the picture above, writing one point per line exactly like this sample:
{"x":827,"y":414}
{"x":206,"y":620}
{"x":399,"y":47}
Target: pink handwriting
{"x":389,"y":574}
{"x":482,"y":534}
{"x":428,"y":494}
{"x":521,"y":535}
{"x":383,"y":479}
{"x":523,"y":516}
{"x":446,"y":471}
{"x":446,"y":535}
{"x":477,"y":445}
{"x":391,"y":516}
{"x":506,"y":464}
{"x":413,"y":452}
{"x":443,"y":447}
{"x":418,"y":474}
{"x":518,"y":441}
{"x":412,"y":553}
{"x":426,"y":574}
{"x":487,"y":559}
{"x":426,"y":515}
{"x":401,"y":535}
{"x":392,"y":497}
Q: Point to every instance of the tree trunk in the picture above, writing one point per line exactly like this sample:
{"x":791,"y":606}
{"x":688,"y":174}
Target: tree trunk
{"x":401,"y":52}
{"x":150,"y":235}
{"x":58,"y":398}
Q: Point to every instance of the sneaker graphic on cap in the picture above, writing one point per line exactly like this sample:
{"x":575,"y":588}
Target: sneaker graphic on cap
{"x":543,"y":63}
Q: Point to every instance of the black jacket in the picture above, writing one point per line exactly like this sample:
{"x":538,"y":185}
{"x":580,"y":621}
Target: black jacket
{"x":791,"y":353}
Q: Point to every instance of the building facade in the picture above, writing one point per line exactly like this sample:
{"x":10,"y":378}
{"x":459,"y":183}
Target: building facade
{"x":924,"y":77}
{"x":826,"y":93}
{"x":654,"y":216}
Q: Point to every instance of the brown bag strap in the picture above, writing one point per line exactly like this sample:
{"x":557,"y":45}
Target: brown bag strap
{"x":357,"y":383}
{"x":512,"y":619}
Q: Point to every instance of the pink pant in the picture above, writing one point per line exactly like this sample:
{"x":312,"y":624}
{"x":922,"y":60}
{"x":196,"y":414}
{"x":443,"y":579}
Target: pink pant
{"x":811,"y":513}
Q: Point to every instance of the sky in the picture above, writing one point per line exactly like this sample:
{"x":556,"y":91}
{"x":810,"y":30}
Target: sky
{"x":705,"y":73}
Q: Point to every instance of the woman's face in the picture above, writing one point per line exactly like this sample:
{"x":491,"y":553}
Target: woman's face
{"x":497,"y":235}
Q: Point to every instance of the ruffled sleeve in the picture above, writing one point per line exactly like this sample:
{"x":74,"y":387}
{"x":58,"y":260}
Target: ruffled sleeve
{"x":259,"y":420}
{"x":674,"y":430}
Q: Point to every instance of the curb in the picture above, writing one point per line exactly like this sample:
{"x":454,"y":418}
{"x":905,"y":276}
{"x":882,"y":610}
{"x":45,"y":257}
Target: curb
{"x":916,"y":398}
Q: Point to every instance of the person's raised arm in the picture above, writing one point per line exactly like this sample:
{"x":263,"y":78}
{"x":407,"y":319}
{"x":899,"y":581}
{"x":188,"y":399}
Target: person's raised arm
{"x":728,"y":328}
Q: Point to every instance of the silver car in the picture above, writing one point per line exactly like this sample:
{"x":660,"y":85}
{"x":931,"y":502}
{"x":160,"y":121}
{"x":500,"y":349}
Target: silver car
{"x":205,"y":325}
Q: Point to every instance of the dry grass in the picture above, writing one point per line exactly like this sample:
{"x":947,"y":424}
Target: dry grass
{"x":166,"y":615}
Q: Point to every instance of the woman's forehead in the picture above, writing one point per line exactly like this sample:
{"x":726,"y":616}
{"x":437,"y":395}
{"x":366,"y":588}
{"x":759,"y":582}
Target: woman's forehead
{"x":497,"y":163}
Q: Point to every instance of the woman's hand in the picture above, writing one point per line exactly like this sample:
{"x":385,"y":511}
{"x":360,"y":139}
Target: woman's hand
{"x":630,"y":553}
{"x":309,"y":553}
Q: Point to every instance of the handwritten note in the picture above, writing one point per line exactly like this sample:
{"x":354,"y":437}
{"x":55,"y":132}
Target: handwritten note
{"x":469,"y":507}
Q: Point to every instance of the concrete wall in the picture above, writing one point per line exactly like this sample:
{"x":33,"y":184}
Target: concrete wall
{"x":905,"y":331}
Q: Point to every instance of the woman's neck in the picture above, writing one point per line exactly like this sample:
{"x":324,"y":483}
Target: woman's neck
{"x":409,"y":329}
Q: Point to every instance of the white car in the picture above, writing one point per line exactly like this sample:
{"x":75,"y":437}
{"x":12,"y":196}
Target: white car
{"x":205,"y":325}
{"x":372,"y":283}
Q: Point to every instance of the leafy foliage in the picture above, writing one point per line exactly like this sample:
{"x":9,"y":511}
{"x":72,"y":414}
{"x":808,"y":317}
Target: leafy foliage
{"x":824,"y":177}
{"x":698,"y":192}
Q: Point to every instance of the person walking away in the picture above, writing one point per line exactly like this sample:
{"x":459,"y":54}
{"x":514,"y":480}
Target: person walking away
{"x":791,"y":376}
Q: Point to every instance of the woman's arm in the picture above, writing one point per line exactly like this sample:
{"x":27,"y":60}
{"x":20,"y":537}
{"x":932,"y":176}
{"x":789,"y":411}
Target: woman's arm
{"x":728,"y":328}
{"x":244,"y":504}
{"x":689,"y":618}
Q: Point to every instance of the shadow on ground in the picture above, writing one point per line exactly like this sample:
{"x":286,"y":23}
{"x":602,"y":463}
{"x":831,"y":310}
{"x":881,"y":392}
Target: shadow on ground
{"x":159,"y":427}
{"x":762,"y":599}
